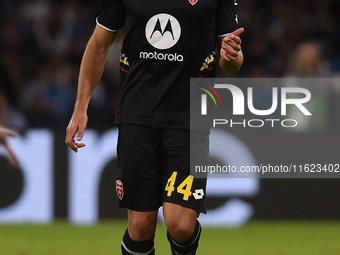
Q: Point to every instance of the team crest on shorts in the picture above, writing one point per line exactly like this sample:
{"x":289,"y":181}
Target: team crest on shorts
{"x":193,"y":2}
{"x":119,"y":189}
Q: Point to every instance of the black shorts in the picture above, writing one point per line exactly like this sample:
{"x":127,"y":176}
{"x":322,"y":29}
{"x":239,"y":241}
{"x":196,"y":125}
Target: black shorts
{"x":154,"y":167}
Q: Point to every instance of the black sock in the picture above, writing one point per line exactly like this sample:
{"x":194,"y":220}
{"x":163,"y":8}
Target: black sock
{"x":187,"y":247}
{"x":131,"y":247}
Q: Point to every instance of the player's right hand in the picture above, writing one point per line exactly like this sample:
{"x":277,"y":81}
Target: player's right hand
{"x":231,"y":45}
{"x":77,"y":126}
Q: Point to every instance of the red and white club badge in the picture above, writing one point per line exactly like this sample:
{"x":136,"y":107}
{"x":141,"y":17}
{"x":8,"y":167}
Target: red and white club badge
{"x":119,"y":189}
{"x":193,"y":2}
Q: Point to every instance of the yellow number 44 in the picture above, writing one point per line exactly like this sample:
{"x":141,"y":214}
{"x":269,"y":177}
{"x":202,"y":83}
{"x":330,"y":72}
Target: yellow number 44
{"x":184,"y":188}
{"x":170,"y":184}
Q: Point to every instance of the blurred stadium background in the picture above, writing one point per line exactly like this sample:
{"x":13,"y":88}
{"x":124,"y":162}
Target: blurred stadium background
{"x":57,"y":202}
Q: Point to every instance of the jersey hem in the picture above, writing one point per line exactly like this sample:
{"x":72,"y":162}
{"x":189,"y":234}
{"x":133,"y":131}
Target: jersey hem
{"x":148,"y":123}
{"x":143,"y":122}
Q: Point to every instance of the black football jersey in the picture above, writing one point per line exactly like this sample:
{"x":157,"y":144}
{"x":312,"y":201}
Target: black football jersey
{"x":167,"y":42}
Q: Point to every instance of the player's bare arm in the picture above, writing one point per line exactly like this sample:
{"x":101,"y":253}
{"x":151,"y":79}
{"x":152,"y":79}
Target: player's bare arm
{"x":231,"y":56}
{"x":91,"y":70}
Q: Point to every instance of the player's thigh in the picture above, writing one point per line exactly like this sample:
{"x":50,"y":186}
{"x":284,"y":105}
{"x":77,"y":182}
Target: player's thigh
{"x":138,"y":181}
{"x":180,"y":186}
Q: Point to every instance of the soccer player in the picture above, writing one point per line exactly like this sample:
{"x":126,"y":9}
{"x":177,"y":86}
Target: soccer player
{"x":166,"y":43}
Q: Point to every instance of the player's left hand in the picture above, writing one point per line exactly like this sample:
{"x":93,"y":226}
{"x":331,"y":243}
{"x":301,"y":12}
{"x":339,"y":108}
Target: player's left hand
{"x":231,"y":45}
{"x":4,"y":133}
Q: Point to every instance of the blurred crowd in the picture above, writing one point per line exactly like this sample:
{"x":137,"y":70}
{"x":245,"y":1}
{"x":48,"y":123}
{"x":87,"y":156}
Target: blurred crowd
{"x":42,"y":42}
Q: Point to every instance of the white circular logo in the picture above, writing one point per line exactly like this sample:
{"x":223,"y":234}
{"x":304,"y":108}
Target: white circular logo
{"x":163,"y":31}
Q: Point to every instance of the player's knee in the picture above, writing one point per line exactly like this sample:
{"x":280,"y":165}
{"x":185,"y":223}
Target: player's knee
{"x":180,"y":230}
{"x":141,"y":223}
{"x":179,"y":220}
{"x":142,"y":227}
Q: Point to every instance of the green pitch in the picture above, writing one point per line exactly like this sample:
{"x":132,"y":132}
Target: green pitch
{"x":255,"y":238}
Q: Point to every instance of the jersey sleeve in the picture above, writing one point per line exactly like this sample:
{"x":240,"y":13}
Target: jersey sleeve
{"x":111,"y":15}
{"x":226,"y":17}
